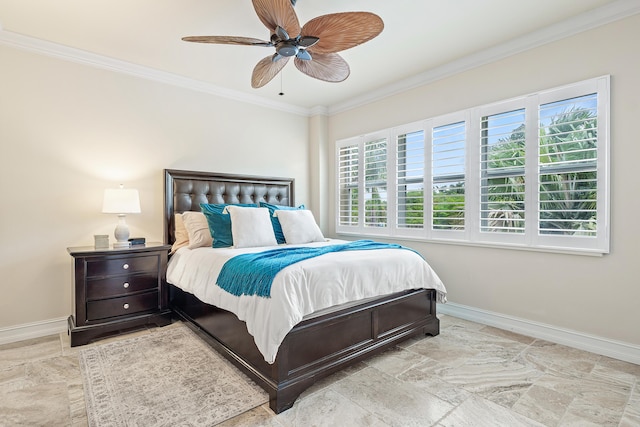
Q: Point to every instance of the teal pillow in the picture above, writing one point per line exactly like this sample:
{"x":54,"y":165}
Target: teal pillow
{"x":220,"y":223}
{"x":275,"y":222}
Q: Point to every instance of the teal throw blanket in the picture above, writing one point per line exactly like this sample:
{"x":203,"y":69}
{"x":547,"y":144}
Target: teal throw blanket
{"x":253,"y":274}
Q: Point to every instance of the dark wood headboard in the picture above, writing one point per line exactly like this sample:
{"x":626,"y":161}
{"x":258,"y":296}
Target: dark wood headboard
{"x":185,"y":190}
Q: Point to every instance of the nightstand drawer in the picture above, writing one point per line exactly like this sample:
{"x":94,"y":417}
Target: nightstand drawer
{"x":124,"y":265}
{"x":122,"y":305}
{"x":121,"y":285}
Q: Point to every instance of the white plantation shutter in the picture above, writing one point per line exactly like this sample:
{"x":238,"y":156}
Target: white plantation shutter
{"x":362,"y":185}
{"x":568,"y":161}
{"x":348,"y":170}
{"x":573,"y":167}
{"x":410,"y":180}
{"x":448,"y":144}
{"x":502,"y":166}
{"x":375,"y":179}
{"x":529,"y":172}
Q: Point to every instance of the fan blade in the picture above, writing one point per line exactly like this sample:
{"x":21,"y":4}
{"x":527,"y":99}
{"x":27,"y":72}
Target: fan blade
{"x":329,"y":67}
{"x":340,"y":31}
{"x":274,"y":13}
{"x":266,"y":70}
{"x":245,"y":41}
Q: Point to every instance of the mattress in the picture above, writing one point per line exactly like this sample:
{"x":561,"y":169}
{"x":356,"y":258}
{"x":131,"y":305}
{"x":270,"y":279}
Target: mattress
{"x":308,"y":288}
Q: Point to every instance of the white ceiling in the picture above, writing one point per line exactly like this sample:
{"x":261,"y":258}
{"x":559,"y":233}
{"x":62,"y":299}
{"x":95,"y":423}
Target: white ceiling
{"x":422,"y":39}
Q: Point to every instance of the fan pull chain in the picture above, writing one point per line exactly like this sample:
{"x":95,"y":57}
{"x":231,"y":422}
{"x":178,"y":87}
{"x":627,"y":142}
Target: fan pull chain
{"x":281,"y":92}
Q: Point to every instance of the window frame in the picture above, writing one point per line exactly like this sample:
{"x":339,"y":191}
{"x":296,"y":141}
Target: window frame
{"x":531,"y":238}
{"x":476,"y":158}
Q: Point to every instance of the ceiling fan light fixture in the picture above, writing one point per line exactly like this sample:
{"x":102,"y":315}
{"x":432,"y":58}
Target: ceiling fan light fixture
{"x":281,"y":33}
{"x":287,"y":48}
{"x":307,"y":41}
{"x":304,"y":55}
{"x":314,"y":46}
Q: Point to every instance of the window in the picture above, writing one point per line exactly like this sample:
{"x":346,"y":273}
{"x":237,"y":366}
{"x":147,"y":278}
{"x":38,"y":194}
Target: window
{"x":362,"y":165}
{"x":568,"y":167}
{"x":375,"y":183}
{"x":502,"y":161}
{"x":348,"y":172}
{"x":529,"y":172}
{"x":448,"y":173}
{"x":410,"y":180}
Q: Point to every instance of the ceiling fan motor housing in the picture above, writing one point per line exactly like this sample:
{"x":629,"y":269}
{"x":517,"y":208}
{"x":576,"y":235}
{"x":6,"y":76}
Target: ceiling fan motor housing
{"x":287,"y":48}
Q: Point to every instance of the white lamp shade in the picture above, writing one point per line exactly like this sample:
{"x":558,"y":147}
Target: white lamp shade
{"x":121,"y":201}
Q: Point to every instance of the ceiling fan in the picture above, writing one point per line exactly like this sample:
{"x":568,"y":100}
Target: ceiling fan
{"x":313,"y":46}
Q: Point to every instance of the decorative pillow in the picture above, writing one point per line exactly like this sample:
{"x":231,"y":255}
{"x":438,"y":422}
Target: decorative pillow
{"x":251,"y":227}
{"x":181,"y":235}
{"x":197,"y":229}
{"x":299,"y":226}
{"x":275,"y":222}
{"x":220,"y":223}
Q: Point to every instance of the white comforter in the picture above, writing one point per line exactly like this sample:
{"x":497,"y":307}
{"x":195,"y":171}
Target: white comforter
{"x":302,"y":288}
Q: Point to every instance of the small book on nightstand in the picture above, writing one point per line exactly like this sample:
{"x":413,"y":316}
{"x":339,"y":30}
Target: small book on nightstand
{"x":134,"y":241}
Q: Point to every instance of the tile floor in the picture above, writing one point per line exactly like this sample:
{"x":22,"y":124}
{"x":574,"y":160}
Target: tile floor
{"x":469,"y":375}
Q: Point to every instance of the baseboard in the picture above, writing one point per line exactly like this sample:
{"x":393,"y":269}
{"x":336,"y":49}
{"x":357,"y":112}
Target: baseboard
{"x":606,"y":347}
{"x":32,"y":330}
{"x":599,"y":345}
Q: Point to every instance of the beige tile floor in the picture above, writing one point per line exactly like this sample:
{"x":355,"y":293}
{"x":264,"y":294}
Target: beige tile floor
{"x":469,"y":375}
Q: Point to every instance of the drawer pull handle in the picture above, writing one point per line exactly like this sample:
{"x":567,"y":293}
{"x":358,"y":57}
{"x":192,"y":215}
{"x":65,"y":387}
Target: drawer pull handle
{"x":125,"y":266}
{"x":125,"y":284}
{"x":126,"y":306}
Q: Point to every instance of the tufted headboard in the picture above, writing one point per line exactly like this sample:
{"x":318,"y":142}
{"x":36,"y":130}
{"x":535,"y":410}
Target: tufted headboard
{"x":185,"y":190}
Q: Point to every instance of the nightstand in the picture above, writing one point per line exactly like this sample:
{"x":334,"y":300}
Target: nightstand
{"x":118,"y":289}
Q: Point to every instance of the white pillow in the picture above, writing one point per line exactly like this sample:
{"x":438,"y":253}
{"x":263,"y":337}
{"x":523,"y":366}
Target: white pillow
{"x":299,"y":226}
{"x":197,"y":229}
{"x":251,"y":227}
{"x":181,"y":234}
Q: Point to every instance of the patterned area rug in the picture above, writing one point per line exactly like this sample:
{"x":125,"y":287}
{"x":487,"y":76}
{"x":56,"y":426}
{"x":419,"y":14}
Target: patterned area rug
{"x":168,"y":377}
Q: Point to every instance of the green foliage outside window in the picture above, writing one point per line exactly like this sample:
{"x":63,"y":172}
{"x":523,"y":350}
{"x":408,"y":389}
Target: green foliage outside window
{"x":568,"y":198}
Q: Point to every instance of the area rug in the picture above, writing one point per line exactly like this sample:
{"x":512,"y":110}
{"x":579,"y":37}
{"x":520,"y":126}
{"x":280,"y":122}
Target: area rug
{"x":168,"y":377}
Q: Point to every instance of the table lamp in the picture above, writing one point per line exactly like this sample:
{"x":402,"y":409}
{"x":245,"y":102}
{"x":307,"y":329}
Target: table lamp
{"x":121,"y":201}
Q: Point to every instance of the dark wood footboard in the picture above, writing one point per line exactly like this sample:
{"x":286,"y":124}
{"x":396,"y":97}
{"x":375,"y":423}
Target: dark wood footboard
{"x":317,"y":347}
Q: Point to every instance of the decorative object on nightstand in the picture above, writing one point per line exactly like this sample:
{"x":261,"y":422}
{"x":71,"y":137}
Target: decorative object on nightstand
{"x":121,"y":201}
{"x":101,"y":241}
{"x":118,"y":289}
{"x":137,"y":241}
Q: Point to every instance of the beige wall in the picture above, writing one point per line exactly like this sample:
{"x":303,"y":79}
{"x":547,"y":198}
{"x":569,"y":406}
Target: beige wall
{"x":319,"y":168}
{"x":595,"y":296}
{"x":68,"y":131}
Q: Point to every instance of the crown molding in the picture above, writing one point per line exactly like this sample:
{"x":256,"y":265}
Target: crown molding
{"x":586,"y":21}
{"x":43,"y":47}
{"x":601,"y":16}
{"x":319,"y":110}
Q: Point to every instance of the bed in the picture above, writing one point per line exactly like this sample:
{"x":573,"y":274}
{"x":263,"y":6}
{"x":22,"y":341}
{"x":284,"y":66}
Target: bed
{"x":320,"y":344}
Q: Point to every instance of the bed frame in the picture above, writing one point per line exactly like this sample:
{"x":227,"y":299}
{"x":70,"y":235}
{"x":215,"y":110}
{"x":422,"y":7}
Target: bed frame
{"x":316,"y":347}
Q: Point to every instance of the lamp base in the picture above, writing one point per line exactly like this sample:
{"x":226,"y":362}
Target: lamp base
{"x":121,"y":233}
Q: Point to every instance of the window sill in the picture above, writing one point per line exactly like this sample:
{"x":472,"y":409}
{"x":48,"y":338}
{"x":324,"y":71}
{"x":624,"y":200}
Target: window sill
{"x":507,"y":246}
